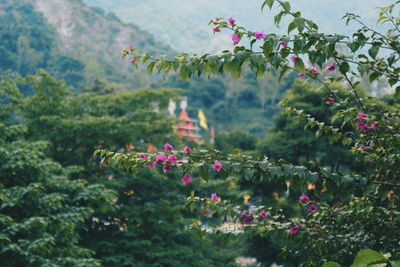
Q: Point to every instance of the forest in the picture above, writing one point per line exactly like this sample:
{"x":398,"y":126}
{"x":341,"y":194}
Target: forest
{"x":119,"y":150}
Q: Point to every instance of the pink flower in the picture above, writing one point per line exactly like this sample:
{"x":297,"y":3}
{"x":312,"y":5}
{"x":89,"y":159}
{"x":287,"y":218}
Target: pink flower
{"x":217,"y":166}
{"x":172,"y":159}
{"x":313,"y":70}
{"x":312,"y":208}
{"x":168,"y":147}
{"x":235,"y":38}
{"x":362,"y":148}
{"x":216,"y":29}
{"x":187,"y":149}
{"x":362,"y":116}
{"x":161,"y":158}
{"x":260,"y":35}
{"x":330,"y":101}
{"x":294,"y":230}
{"x":133,"y":60}
{"x":231,"y":21}
{"x":263,"y":214}
{"x":166,"y":168}
{"x":302,"y":75}
{"x":293,"y":58}
{"x":187,"y":179}
{"x":330,"y":67}
{"x":247,"y":218}
{"x":143,"y":156}
{"x":283,"y":44}
{"x":304,"y":198}
{"x":214,"y":197}
{"x":151,"y":165}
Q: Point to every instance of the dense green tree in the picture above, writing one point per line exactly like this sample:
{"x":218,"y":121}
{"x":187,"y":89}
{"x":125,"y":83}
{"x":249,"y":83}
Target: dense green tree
{"x":148,"y":228}
{"x":290,"y":141}
{"x":42,"y":204}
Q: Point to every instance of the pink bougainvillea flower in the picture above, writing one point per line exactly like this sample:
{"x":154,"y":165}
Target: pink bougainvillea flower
{"x":217,"y":166}
{"x":235,"y":38}
{"x":362,"y":148}
{"x":312,"y":208}
{"x":313,"y":70}
{"x":283,"y":44}
{"x":172,"y":159}
{"x":302,"y":75}
{"x":362,"y":116}
{"x":231,"y":21}
{"x":166,"y":168}
{"x":216,"y":29}
{"x":329,"y":101}
{"x":187,"y":179}
{"x":304,"y":198}
{"x":294,"y":230}
{"x":260,"y":35}
{"x":293,"y":58}
{"x":330,"y":67}
{"x":151,"y":165}
{"x":133,"y":60}
{"x":187,"y":149}
{"x":161,"y":157}
{"x":143,"y":156}
{"x":168,"y":147}
{"x":263,"y":214}
{"x":214,"y":197}
{"x":247,"y":218}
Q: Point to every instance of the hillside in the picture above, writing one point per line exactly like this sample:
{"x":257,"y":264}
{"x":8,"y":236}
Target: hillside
{"x":88,"y":36}
{"x":82,"y":44}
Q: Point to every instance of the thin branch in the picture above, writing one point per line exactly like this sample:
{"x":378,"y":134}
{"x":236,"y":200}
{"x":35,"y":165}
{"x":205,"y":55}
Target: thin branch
{"x":352,"y":86}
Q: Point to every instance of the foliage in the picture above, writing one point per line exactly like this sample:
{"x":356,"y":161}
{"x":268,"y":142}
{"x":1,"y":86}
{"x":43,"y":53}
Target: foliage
{"x":42,"y":205}
{"x":288,"y":140}
{"x":147,"y":225}
{"x":227,"y":141}
{"x":28,"y":43}
{"x":346,"y":211}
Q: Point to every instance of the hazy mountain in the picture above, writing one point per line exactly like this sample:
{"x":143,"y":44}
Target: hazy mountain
{"x":30,"y":29}
{"x":183,"y":24}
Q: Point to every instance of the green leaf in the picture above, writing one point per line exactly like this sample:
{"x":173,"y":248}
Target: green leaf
{"x":330,"y":264}
{"x":366,"y":257}
{"x":299,"y":65}
{"x":184,"y":73}
{"x":150,"y":67}
{"x":299,"y":22}
{"x":286,"y":6}
{"x":146,"y":57}
{"x":291,"y":27}
{"x":269,"y":3}
{"x":373,"y":51}
{"x":344,"y":67}
{"x":204,"y":174}
{"x":374,"y":76}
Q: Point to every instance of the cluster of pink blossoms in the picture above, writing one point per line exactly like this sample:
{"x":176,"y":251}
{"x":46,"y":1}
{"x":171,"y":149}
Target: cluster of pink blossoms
{"x":361,"y":124}
{"x":305,"y":198}
{"x":311,"y":208}
{"x":247,"y":218}
{"x":329,"y":101}
{"x":172,"y":159}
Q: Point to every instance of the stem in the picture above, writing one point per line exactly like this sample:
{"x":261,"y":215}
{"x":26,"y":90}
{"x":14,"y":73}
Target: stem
{"x":354,"y":89}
